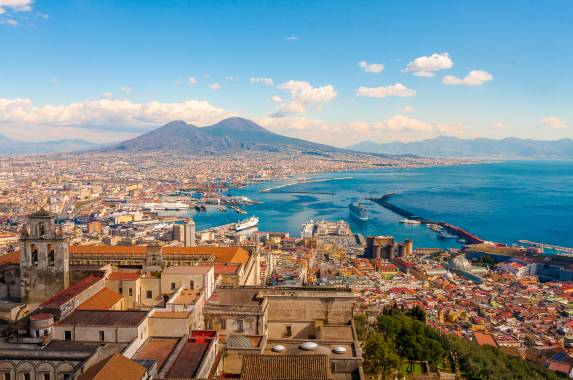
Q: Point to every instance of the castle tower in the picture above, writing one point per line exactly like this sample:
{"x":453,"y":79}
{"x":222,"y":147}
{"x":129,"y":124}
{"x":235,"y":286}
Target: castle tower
{"x":189,"y":233}
{"x":44,"y":258}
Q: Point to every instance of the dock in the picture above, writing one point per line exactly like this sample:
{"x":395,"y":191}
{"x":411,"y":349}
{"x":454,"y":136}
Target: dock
{"x":557,"y":248}
{"x":384,"y":201}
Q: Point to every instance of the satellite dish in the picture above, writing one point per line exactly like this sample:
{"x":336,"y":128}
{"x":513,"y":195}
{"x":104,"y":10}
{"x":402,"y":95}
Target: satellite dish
{"x":278,"y":348}
{"x":309,"y":346}
{"x":339,"y":350}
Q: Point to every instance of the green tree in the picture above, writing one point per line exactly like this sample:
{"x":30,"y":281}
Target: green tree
{"x":380,"y":358}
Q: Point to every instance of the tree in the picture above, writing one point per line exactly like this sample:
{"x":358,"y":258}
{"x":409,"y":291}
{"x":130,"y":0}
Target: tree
{"x":380,"y":358}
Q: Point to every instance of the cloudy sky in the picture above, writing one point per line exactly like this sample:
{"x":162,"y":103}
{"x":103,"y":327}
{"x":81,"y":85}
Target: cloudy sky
{"x":334,"y":72}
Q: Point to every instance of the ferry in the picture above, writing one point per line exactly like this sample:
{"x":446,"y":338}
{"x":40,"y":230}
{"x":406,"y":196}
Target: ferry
{"x":358,"y":211}
{"x":247,"y":223}
{"x":167,"y":206}
{"x":410,"y":221}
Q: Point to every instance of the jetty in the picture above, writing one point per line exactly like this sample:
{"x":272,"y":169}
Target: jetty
{"x":384,"y":201}
{"x":543,"y":246}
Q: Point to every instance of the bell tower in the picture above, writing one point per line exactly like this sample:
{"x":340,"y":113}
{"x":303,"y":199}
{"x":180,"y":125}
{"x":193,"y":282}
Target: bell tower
{"x":44,"y":258}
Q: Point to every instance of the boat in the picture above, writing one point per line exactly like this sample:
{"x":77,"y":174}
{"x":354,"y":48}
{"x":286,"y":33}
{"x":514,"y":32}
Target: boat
{"x":410,"y":221}
{"x":446,"y":236}
{"x":222,"y":208}
{"x":247,"y":223}
{"x":358,"y":210}
{"x":238,"y":210}
{"x":435,"y":227}
{"x":167,"y":206}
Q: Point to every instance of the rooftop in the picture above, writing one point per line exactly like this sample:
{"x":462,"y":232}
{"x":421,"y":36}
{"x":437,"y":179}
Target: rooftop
{"x":188,"y":269}
{"x":157,"y":349}
{"x":66,"y":295}
{"x":105,"y":299}
{"x":235,"y":296}
{"x":116,"y":367}
{"x":189,"y":359}
{"x":286,"y":367}
{"x":124,"y":276}
{"x":104,"y":318}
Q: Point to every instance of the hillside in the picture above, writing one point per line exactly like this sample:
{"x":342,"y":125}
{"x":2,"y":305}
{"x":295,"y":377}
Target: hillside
{"x":231,"y":134}
{"x":444,"y":146}
{"x":15,"y":147}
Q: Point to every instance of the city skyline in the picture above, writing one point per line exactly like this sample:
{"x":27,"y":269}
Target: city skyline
{"x":336,"y":75}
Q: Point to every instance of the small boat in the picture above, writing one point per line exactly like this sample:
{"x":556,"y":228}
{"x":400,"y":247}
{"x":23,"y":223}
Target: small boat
{"x":222,"y":208}
{"x":410,"y":221}
{"x":446,"y":236}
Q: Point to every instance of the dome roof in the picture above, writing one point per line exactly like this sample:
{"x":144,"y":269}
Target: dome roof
{"x":459,"y":263}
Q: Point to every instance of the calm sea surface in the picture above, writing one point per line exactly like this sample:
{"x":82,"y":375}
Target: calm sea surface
{"x":501,"y":202}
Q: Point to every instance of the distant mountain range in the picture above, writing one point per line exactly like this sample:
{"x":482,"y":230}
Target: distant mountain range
{"x":479,"y":148}
{"x":15,"y":147}
{"x":232,"y":134}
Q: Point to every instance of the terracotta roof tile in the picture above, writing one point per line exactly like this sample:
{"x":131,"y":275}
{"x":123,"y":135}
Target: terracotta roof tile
{"x":286,"y":367}
{"x":105,"y":299}
{"x":116,"y":367}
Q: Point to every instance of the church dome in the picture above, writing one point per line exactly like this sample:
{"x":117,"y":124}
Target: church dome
{"x":460,"y":263}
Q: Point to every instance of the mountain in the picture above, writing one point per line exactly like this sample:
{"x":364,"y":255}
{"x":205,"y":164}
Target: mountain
{"x":14,"y":147}
{"x":231,"y":134}
{"x":443,"y":146}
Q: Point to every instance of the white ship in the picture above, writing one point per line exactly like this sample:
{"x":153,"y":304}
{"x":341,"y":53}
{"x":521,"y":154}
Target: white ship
{"x":166,"y":206}
{"x":410,"y":221}
{"x":247,"y":223}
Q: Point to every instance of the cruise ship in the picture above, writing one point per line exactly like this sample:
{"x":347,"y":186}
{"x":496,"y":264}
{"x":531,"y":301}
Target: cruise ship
{"x":358,"y":210}
{"x":246,"y":224}
{"x":166,"y":206}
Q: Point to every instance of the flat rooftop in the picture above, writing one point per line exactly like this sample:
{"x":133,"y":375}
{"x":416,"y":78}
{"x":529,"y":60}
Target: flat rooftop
{"x":105,"y":299}
{"x":235,"y":296}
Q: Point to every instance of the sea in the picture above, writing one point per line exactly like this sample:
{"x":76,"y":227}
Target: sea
{"x":502,"y":202}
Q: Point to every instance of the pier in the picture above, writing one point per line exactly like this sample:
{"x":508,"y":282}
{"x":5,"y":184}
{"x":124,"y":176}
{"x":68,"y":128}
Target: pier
{"x":384,"y":201}
{"x":557,"y":248}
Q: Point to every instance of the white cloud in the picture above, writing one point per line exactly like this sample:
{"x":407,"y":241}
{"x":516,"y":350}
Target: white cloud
{"x":276,"y":99}
{"x":553,"y":122}
{"x":215,"y":86}
{"x":291,"y":38}
{"x":126,"y":90}
{"x":232,"y":79}
{"x":287,"y":108}
{"x":397,"y":89}
{"x":262,"y":80}
{"x":16,"y":5}
{"x":302,"y":92}
{"x":406,"y":124}
{"x":373,"y":68}
{"x":110,"y":114}
{"x":498,"y":125}
{"x":408,"y":109}
{"x":455,"y":129}
{"x":474,"y":78}
{"x":426,"y":66}
{"x":290,"y":124}
{"x":107,"y":95}
{"x":192,"y":80}
{"x":9,"y":21}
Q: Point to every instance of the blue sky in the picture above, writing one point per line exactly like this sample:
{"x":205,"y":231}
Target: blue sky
{"x":109,"y":70}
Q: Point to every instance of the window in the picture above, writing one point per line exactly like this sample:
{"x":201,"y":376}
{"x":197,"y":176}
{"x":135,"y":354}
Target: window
{"x":223,"y":324}
{"x":240,"y":325}
{"x":27,"y":376}
{"x":46,"y":376}
{"x":191,"y":284}
{"x":288,"y":331}
{"x":67,"y":335}
{"x":46,"y":332}
{"x":130,"y":292}
{"x":35,"y":256}
{"x":149,"y":294}
{"x":101,"y":335}
{"x":120,"y":290}
{"x":208,"y":324}
{"x":172,"y":286}
{"x":6,"y":376}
